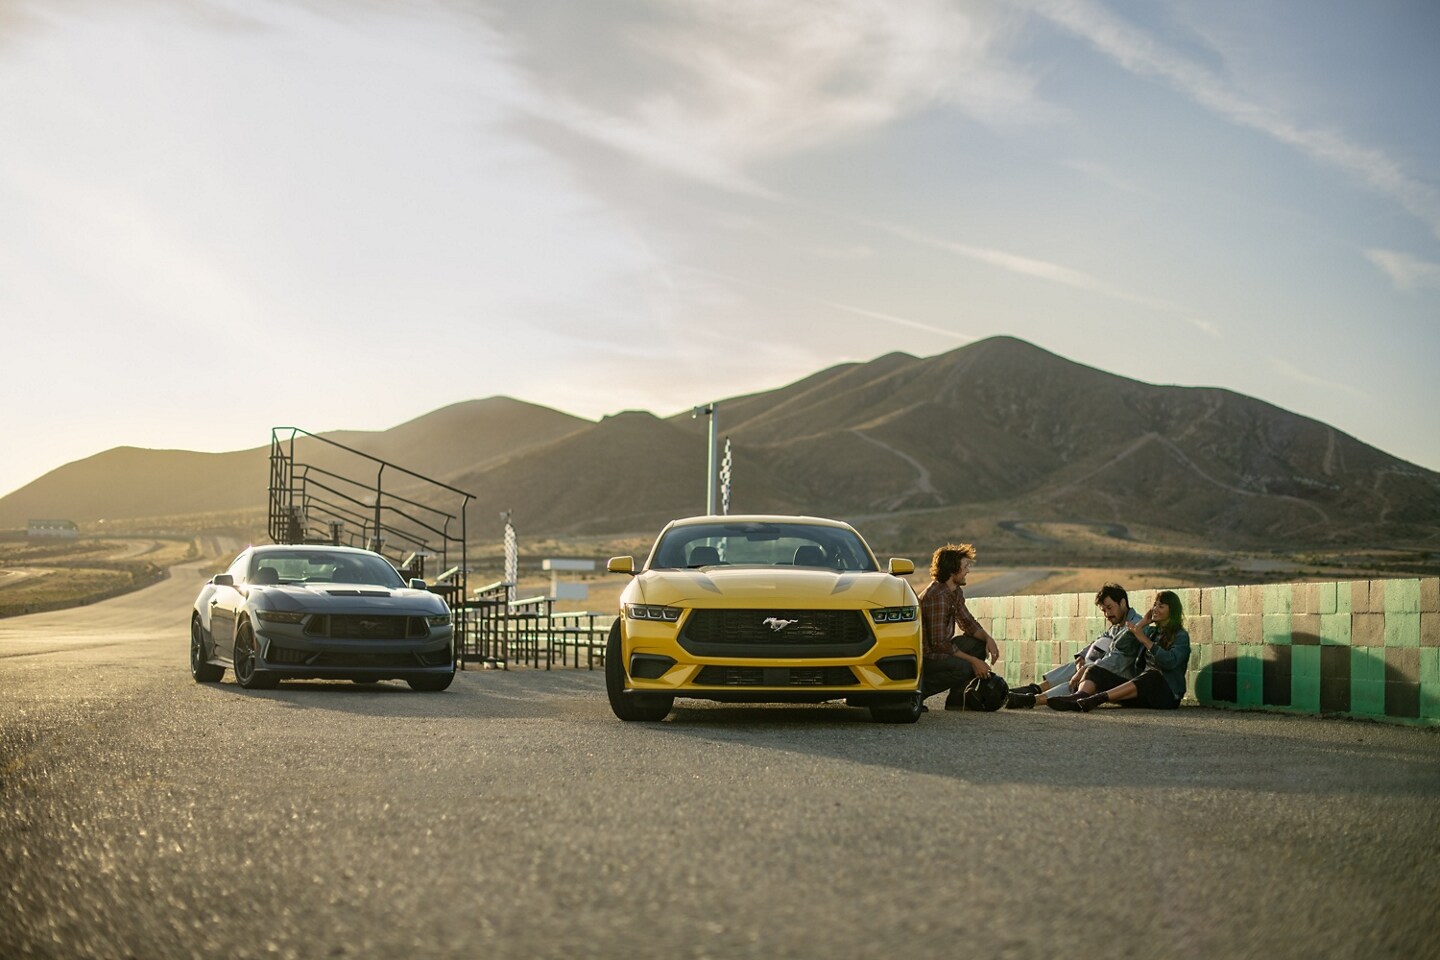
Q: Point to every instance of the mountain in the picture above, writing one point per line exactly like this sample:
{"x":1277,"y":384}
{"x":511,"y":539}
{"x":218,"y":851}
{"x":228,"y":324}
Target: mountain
{"x":1000,"y":426}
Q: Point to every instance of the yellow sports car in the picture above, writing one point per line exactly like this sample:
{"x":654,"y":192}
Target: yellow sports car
{"x":764,"y":609}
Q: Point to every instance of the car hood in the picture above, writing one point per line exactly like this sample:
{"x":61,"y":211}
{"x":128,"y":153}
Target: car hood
{"x":770,"y":587}
{"x":346,"y":597}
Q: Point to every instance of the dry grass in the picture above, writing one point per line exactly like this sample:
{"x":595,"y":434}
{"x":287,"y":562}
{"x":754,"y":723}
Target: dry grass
{"x":42,"y":575}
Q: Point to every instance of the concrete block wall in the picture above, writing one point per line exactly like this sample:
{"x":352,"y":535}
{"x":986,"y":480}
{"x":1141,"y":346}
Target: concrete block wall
{"x":1365,"y":648}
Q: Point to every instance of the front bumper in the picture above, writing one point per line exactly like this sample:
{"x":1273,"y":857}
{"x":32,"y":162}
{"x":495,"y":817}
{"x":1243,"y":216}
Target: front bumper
{"x":659,"y":660}
{"x":287,"y":651}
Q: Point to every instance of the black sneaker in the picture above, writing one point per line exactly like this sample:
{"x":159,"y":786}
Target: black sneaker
{"x":1086,"y":704}
{"x":1034,"y":689}
{"x":1019,"y":700}
{"x":1062,"y":703}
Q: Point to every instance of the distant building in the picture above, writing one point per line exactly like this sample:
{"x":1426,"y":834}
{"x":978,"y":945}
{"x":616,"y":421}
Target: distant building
{"x":52,"y":528}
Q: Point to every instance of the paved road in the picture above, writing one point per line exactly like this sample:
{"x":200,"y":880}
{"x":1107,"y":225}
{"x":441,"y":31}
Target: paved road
{"x":144,"y":816}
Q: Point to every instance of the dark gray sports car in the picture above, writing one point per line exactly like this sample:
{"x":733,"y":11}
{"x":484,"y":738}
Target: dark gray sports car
{"x":319,"y":612}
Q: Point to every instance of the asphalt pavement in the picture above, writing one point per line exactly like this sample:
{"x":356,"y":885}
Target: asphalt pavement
{"x":143,"y":815}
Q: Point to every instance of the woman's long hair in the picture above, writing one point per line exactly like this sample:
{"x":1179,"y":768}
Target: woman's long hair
{"x":1176,"y":621}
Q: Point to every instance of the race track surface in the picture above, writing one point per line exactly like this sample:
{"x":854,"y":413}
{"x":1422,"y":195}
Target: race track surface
{"x":142,"y":815}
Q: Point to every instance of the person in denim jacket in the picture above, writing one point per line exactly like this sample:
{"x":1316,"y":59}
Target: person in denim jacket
{"x":1161,"y":645}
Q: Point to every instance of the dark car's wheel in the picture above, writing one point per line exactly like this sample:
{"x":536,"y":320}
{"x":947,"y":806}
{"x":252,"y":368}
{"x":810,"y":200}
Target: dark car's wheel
{"x":245,"y":656}
{"x":905,"y":712}
{"x":629,"y":706}
{"x":432,"y":684}
{"x":200,"y":668}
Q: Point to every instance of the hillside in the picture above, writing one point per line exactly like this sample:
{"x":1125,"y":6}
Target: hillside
{"x":996,"y":429}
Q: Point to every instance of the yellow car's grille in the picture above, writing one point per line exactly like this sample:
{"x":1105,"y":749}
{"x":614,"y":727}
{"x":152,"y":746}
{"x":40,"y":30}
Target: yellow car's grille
{"x":718,"y":676}
{"x":776,"y":633}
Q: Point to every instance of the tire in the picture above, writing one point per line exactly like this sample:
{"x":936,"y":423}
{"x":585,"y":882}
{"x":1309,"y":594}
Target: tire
{"x":200,"y":666}
{"x":907,"y":712}
{"x":245,"y":655}
{"x":431,"y":684}
{"x":630,"y":706}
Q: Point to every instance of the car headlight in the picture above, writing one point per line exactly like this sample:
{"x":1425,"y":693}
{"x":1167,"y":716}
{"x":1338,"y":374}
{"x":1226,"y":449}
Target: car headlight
{"x":893,"y":614}
{"x":439,"y":620}
{"x":281,"y":616}
{"x":646,"y":611}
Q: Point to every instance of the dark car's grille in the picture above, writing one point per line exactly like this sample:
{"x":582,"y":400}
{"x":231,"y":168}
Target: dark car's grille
{"x":349,"y":626}
{"x":754,"y":633}
{"x":719,"y":676}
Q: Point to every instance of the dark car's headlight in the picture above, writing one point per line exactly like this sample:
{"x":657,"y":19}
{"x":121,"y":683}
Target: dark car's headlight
{"x":439,"y":620}
{"x":893,"y":614}
{"x":647,"y":611}
{"x":281,"y":616}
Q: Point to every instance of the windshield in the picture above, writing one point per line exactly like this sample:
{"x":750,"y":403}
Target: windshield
{"x":763,"y":544}
{"x":321,"y":566}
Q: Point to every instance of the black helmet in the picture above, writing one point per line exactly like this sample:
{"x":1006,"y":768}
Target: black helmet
{"x":985,"y":693}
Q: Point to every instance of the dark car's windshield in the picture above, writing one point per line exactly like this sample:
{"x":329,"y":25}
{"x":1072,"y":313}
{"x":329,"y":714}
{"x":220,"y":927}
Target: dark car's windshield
{"x":321,"y":566}
{"x":770,"y":544}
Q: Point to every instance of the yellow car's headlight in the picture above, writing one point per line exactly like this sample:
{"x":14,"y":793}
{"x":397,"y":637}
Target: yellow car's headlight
{"x":647,"y":611}
{"x":893,"y":614}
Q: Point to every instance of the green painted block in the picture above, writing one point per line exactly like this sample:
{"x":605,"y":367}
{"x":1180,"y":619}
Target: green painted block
{"x":998,"y":627}
{"x":1275,"y":628}
{"x":1327,"y":598}
{"x":1335,"y":629}
{"x":1249,"y":676}
{"x":1344,"y":593}
{"x":1367,"y":698}
{"x":1026,"y":607}
{"x":1222,"y":629}
{"x":1279,"y":599}
{"x":1367,"y":665}
{"x":1305,"y":662}
{"x":1401,"y":596}
{"x":1028,"y":630}
{"x":1430,"y":682}
{"x":1402,"y":629}
{"x":1202,"y":687}
{"x":1062,"y":630}
{"x":1305,"y":690}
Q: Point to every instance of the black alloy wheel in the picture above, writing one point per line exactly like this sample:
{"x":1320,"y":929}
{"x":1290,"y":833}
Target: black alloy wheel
{"x":245,"y":656}
{"x":906,"y":712}
{"x":432,"y":684}
{"x":200,"y":668}
{"x":629,"y":706}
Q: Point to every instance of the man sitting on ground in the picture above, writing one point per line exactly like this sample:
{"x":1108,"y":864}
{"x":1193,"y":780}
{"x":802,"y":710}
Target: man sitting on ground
{"x":950,"y":661}
{"x":1064,"y":680}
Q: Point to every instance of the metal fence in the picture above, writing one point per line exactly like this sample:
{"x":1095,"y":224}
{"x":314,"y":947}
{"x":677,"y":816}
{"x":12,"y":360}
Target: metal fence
{"x":529,"y":631}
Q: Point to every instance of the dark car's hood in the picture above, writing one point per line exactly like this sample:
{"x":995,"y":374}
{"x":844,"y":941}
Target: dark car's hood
{"x":346,"y":597}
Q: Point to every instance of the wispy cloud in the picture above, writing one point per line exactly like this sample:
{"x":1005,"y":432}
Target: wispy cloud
{"x":1140,"y":53}
{"x":752,"y":80}
{"x":834,"y":305}
{"x":1406,"y":272}
{"x":1291,"y":372}
{"x":1031,"y":267}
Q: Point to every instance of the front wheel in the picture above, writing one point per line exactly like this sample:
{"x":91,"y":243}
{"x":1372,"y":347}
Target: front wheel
{"x":245,"y":656}
{"x":200,"y":666}
{"x":905,"y":712}
{"x":629,"y":706}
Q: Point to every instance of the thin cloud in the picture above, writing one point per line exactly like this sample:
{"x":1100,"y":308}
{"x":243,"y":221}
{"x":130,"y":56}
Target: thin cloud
{"x":1288,"y":370}
{"x":1030,"y":267}
{"x":1406,"y":272}
{"x":1139,"y":53}
{"x":834,"y":305}
{"x":750,"y":80}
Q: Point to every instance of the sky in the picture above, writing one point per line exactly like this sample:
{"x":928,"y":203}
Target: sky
{"x":220,"y":216}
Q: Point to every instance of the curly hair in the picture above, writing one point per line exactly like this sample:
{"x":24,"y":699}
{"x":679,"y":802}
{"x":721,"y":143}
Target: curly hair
{"x":946,"y":561}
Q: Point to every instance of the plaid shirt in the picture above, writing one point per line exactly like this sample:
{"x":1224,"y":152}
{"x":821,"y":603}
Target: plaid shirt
{"x":941,"y":611}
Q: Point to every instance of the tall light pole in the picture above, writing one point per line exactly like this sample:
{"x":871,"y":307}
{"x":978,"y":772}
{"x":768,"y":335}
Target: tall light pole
{"x":712,"y":478}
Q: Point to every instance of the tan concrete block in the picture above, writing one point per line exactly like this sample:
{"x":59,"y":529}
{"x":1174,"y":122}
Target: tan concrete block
{"x":1306,"y":598}
{"x":1430,"y":595}
{"x":1249,"y":629}
{"x":1376,"y":602}
{"x":1212,"y":602}
{"x":1199,"y":628}
{"x":1045,"y":607}
{"x":1072,"y":605}
{"x":1305,"y":628}
{"x":1252,"y":601}
{"x":1367,"y":630}
{"x":1430,"y":629}
{"x":1045,"y":629}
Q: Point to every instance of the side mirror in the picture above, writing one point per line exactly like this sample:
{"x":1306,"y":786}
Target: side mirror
{"x":223,"y":580}
{"x":900,"y":567}
{"x":417,"y":584}
{"x":621,"y":565}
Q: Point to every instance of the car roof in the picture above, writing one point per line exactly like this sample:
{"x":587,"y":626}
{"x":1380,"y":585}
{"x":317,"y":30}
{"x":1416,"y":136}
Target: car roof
{"x":312,"y":548}
{"x":760,"y":518}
